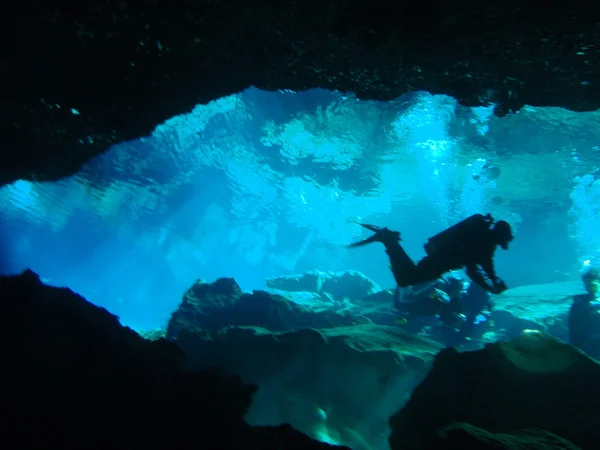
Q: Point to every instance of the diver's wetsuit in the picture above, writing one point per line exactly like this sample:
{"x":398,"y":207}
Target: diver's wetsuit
{"x":470,"y":246}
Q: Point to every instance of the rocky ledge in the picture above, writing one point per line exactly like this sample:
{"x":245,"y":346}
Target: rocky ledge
{"x":75,"y":378}
{"x":338,"y":384}
{"x":80,"y":77}
{"x":212,"y":306}
{"x":322,"y":368}
{"x":533,"y":392}
{"x":321,"y":300}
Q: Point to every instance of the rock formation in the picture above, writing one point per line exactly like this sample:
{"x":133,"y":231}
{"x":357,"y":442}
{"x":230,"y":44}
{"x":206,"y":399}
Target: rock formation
{"x":350,"y":377}
{"x":331,"y":368}
{"x":358,"y":376}
{"x":212,"y":306}
{"x":535,"y":389}
{"x":540,"y":307}
{"x":73,"y":377}
{"x":468,"y":437}
{"x":349,"y":284}
{"x":81,"y":77}
{"x":306,"y":304}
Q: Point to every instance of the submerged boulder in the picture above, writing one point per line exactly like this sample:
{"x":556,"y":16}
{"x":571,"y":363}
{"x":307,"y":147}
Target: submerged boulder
{"x":340,"y":285}
{"x":222,"y":303}
{"x":303,"y":298}
{"x":348,"y":284}
{"x":73,"y":378}
{"x":339,"y":384}
{"x":534,"y":381}
{"x":307,"y":282}
{"x":543,"y":307}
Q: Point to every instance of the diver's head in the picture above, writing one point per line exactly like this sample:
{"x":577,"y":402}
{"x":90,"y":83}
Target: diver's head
{"x":591,"y":281}
{"x":503,"y":233}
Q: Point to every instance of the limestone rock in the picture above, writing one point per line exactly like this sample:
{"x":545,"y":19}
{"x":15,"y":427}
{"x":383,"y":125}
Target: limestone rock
{"x":540,"y":307}
{"x":74,"y":378}
{"x":302,"y":297}
{"x":214,"y":306}
{"x":467,"y":437}
{"x":534,"y":381}
{"x":385,"y":296}
{"x":306,"y":282}
{"x":357,"y":376}
{"x":340,"y":285}
{"x":348,"y":284}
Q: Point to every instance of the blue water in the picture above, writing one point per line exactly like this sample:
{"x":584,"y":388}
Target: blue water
{"x":269,"y":183}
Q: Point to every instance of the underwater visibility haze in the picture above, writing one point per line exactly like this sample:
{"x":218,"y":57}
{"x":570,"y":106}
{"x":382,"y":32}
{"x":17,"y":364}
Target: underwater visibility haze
{"x":262,"y":184}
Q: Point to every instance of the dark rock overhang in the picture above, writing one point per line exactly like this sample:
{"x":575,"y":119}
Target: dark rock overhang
{"x":78,"y":77}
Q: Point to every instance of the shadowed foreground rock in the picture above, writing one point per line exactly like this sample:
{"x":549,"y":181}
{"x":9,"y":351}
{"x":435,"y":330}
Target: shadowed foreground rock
{"x":467,"y":437}
{"x":74,"y":378}
{"x":534,"y":392}
{"x":81,"y":76}
{"x":320,"y":365}
{"x":358,"y":376}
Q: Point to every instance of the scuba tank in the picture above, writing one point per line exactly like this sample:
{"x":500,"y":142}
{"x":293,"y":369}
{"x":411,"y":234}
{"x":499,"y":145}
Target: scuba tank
{"x":445,"y":241}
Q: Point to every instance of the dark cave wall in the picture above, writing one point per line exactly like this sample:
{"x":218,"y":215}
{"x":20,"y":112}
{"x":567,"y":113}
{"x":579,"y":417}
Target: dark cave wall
{"x":80,"y":77}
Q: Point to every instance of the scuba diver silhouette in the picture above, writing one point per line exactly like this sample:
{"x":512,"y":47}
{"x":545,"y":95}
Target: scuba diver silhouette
{"x":470,"y":244}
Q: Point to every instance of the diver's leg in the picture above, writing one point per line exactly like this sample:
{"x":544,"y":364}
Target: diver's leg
{"x":428,"y":269}
{"x":402,"y":266}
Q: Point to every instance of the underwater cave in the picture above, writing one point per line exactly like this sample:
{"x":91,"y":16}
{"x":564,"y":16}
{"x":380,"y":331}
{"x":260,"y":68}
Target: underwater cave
{"x":179,"y":185}
{"x":264,"y":184}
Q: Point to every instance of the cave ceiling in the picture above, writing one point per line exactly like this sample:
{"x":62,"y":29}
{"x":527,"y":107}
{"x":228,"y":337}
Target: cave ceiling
{"x":78,"y":77}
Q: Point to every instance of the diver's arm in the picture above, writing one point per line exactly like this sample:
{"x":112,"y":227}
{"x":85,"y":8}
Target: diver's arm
{"x":488,"y":268}
{"x":475,"y":275}
{"x":498,"y":285}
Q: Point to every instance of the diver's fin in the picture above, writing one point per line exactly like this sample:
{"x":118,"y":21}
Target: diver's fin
{"x":374,"y":228}
{"x":381,"y":235}
{"x":375,"y":238}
